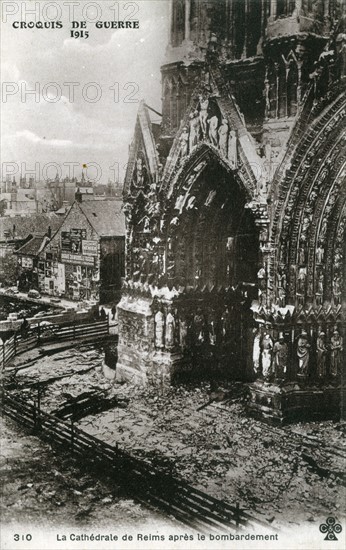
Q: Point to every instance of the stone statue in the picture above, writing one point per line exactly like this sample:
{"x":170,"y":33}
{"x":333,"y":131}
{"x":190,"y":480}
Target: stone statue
{"x":282,"y":297}
{"x":301,"y":255}
{"x":159,"y":329}
{"x":336,"y":348}
{"x":232,"y":149}
{"x":203,"y":114}
{"x":336,"y":290}
{"x":170,"y":329}
{"x":226,"y":325}
{"x":301,"y":280}
{"x":262,"y":278}
{"x":256,"y":351}
{"x":139,"y":172}
{"x":183,"y":328}
{"x":280,"y":352}
{"x":267,"y":350}
{"x":321,"y":355}
{"x":320,"y":283}
{"x":213,"y":133}
{"x":223,"y":137}
{"x":184,"y":140}
{"x":194,"y":130}
{"x":212,"y":332}
{"x":198,"y":322}
{"x":319,"y":254}
{"x":303,"y":353}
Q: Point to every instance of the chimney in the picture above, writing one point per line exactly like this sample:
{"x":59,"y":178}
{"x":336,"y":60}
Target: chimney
{"x":49,"y":232}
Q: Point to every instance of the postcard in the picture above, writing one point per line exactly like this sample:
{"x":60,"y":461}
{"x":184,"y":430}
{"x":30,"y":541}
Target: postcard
{"x":172,"y":274}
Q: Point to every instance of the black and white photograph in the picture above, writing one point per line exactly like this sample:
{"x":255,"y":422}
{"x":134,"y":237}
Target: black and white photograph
{"x":173,"y":275}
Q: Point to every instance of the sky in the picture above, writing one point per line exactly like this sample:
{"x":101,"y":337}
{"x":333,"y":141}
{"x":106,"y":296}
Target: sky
{"x":87,"y":90}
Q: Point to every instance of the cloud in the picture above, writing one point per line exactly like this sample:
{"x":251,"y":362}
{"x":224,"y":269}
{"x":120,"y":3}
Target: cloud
{"x":100,"y":132}
{"x":34,"y":138}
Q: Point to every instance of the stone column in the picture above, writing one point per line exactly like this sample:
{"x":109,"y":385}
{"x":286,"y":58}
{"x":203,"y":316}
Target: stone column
{"x":298,"y":6}
{"x":230,"y":29}
{"x":273,"y":10}
{"x":187,"y":19}
{"x":246,"y":39}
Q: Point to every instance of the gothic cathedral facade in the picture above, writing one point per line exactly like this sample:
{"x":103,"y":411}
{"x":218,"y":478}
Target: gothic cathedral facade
{"x":235,"y":206}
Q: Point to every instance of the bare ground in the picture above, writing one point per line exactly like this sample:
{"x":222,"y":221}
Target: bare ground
{"x":276,"y":473}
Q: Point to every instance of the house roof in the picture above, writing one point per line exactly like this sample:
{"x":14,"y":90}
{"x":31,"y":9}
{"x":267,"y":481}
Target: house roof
{"x":33,"y":247}
{"x":106,"y":217}
{"x":20,"y":227}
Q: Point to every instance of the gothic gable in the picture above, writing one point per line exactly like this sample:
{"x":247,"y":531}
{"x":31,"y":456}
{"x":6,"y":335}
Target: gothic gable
{"x":214,"y":121}
{"x":143,"y":166}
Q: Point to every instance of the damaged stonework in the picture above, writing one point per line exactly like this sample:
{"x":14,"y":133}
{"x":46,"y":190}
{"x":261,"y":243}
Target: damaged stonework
{"x":235,"y":203}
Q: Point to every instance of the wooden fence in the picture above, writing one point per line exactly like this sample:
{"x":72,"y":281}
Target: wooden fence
{"x":43,"y":333}
{"x":150,"y":484}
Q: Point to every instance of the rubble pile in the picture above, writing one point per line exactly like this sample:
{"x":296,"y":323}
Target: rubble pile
{"x":200,"y":436}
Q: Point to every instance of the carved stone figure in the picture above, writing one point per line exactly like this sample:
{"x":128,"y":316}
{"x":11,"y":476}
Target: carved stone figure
{"x":170,"y":329}
{"x":280,"y":352}
{"x":301,"y":280}
{"x":232,"y":149}
{"x":203,"y":114}
{"x":303,"y":353}
{"x":223,"y":137}
{"x":282,"y":297}
{"x":213,"y":133}
{"x":319,"y":254}
{"x":336,"y":348}
{"x":194,"y":130}
{"x":267,"y":350}
{"x":226,"y":325}
{"x":256,"y":351}
{"x":184,"y":140}
{"x":323,"y":231}
{"x":321,"y":355}
{"x":159,"y":329}
{"x":301,"y":255}
{"x":183,"y":329}
{"x":212,"y":332}
{"x":198,"y":322}
{"x":336,"y":290}
{"x":139,"y":173}
{"x":262,"y":278}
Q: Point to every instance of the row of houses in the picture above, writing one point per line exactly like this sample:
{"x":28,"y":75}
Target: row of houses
{"x":82,"y":258}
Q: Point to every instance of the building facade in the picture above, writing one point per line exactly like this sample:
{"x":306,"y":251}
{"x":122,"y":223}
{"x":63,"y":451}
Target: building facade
{"x":85,"y":257}
{"x":236,"y":206}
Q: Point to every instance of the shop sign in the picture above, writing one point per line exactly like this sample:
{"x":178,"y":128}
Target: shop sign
{"x":89,"y":248}
{"x":27,"y":263}
{"x":77,"y":259}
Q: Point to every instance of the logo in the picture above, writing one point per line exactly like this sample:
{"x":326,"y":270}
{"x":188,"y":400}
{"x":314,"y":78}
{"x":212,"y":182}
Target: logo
{"x":330,"y":527}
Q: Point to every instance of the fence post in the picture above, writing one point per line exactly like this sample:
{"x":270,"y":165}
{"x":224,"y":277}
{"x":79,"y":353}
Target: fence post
{"x":34,"y":416}
{"x":3,"y":354}
{"x":39,"y":332}
{"x":237,"y":514}
{"x":37,"y":409}
{"x":72,"y":433}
